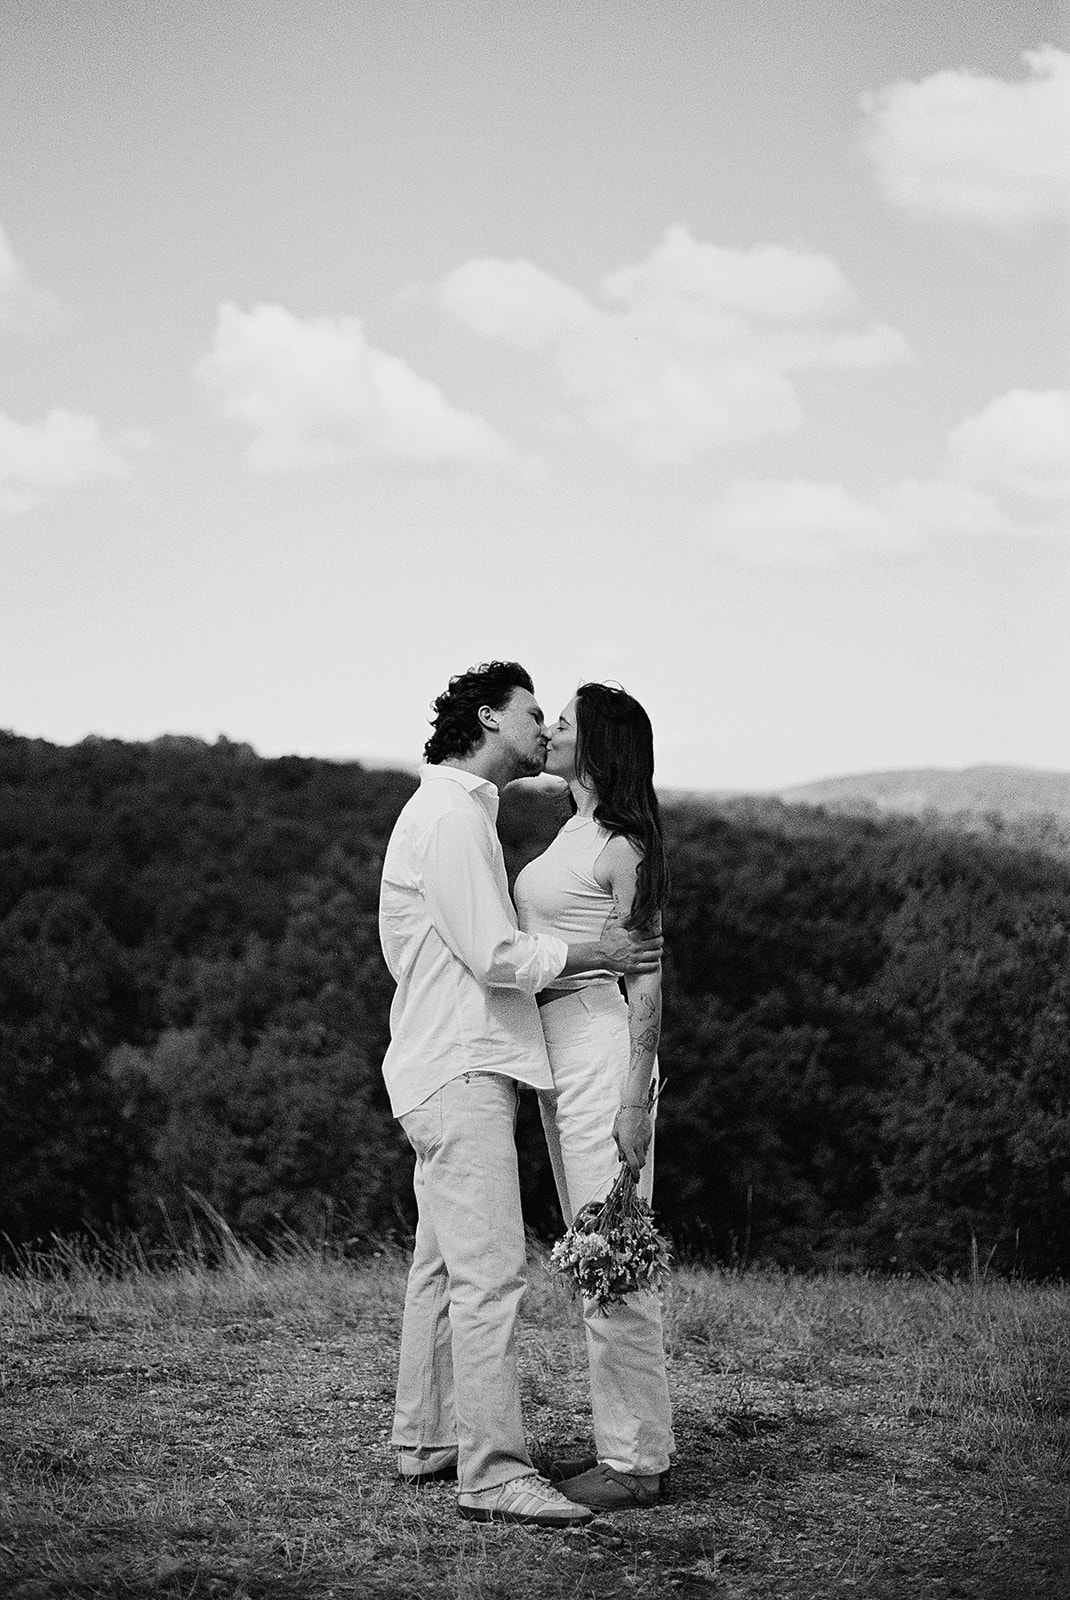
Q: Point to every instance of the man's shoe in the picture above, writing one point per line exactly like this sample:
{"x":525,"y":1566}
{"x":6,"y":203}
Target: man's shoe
{"x":605,"y":1489}
{"x":527,"y":1499}
{"x":427,"y":1466}
{"x":558,"y":1471}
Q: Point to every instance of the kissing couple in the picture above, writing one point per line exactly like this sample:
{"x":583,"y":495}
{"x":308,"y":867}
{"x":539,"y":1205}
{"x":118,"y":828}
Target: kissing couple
{"x":491,"y":995}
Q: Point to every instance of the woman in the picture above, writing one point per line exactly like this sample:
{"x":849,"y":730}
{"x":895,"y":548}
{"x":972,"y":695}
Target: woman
{"x":608,"y":858}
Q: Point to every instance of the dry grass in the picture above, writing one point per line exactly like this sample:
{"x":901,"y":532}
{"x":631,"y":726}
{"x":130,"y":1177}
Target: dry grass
{"x":224,"y":1433}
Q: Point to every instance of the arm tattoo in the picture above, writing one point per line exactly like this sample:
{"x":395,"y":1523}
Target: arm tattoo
{"x":647,"y":1040}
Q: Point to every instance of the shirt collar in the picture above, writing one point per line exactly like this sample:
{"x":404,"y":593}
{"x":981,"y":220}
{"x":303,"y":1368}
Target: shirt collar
{"x":481,"y":788}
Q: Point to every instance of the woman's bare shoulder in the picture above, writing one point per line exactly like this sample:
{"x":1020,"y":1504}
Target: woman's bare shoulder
{"x":618,"y":862}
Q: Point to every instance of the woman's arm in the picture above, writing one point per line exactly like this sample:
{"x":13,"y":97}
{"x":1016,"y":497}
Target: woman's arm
{"x":633,"y":1127}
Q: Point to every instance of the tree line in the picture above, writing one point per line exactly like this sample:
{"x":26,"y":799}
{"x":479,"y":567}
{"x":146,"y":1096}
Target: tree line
{"x":865,"y":1047}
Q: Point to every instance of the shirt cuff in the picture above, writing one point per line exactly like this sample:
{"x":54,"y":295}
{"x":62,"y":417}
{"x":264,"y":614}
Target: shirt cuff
{"x":545,"y":963}
{"x":560,"y":954}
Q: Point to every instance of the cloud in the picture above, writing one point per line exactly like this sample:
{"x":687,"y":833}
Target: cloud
{"x":23,"y":307}
{"x":1019,"y":444}
{"x":67,"y":448}
{"x":799,"y":523}
{"x":314,"y":391}
{"x":694,"y":349}
{"x":38,"y":459}
{"x":948,"y":508}
{"x":973,"y":148}
{"x":802,"y":523}
{"x":1006,"y":475}
{"x":514,"y":301}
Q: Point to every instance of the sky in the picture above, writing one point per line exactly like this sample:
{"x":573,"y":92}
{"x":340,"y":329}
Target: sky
{"x":714,"y":348}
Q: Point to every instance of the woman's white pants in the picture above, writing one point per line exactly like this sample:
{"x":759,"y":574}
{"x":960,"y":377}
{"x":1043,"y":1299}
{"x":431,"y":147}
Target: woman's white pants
{"x":587,"y":1041}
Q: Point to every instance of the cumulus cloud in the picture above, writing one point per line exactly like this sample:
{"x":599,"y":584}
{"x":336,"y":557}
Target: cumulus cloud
{"x":66,"y":448}
{"x":1006,"y":475}
{"x":691,"y":350}
{"x":799,"y":523}
{"x":23,"y":307}
{"x":973,"y":148}
{"x":802,"y":523}
{"x":313,"y":390}
{"x":37,"y":459}
{"x":1019,"y":443}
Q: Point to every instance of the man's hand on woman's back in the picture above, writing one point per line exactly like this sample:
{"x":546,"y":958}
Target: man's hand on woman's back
{"x":627,"y":951}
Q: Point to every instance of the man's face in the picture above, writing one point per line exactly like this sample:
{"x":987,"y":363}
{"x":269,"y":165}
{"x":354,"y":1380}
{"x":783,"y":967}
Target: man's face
{"x":561,"y":753}
{"x":522,"y":730}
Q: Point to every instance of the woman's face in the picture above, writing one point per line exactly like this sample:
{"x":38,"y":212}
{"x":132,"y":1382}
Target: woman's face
{"x":561,"y":752}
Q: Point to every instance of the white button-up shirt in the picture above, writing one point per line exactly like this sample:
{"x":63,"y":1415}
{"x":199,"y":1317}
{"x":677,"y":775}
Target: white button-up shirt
{"x":466,"y":976}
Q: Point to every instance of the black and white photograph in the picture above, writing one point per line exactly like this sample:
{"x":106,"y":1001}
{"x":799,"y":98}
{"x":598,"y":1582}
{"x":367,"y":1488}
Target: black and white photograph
{"x":534,"y":799}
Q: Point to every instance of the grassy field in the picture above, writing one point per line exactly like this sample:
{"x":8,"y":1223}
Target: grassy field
{"x":224,"y":1433}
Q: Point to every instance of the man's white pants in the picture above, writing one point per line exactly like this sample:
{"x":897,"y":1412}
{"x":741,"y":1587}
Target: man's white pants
{"x":587,"y":1041}
{"x":457,"y":1376}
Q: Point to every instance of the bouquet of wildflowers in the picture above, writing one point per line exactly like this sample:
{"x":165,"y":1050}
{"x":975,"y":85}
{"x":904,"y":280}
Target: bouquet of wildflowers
{"x":612,"y":1248}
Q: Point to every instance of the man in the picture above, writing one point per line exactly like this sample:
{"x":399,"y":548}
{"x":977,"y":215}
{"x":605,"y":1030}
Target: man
{"x":464,"y":1032}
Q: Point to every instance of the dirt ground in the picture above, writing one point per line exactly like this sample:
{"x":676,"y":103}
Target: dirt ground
{"x":186,"y":1448}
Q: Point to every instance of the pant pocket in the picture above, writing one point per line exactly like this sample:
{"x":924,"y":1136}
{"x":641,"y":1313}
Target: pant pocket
{"x":422,"y":1126}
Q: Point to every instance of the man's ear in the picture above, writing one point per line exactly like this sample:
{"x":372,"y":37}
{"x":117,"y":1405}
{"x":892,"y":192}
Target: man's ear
{"x":488,"y":717}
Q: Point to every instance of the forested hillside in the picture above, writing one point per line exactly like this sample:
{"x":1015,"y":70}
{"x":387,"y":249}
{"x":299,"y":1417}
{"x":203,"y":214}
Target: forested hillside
{"x":867,"y":1032}
{"x":1011,"y":792}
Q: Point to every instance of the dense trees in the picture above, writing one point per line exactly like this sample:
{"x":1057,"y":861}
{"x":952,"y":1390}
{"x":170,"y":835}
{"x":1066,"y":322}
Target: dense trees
{"x":191,"y":992}
{"x":874,"y":1021}
{"x":66,"y":996}
{"x":866,"y":1027}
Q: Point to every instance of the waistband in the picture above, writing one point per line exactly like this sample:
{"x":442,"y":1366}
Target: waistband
{"x":604,"y":995}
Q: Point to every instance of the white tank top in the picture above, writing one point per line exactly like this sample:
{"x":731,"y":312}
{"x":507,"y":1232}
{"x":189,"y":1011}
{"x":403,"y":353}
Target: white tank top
{"x":558,"y":893}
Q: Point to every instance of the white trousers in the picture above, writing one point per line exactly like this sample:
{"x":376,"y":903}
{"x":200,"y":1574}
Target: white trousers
{"x":458,"y":1381}
{"x":586,"y":1033}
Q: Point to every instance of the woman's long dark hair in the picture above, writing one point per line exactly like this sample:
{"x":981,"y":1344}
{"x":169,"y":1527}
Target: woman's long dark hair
{"x":615,"y":755}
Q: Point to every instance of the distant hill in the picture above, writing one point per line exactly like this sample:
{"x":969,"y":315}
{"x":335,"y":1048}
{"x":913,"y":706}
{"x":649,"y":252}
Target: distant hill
{"x":1012,"y":792}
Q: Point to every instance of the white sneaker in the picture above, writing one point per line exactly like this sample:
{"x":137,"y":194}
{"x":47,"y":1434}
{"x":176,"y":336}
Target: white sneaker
{"x":526,"y":1499}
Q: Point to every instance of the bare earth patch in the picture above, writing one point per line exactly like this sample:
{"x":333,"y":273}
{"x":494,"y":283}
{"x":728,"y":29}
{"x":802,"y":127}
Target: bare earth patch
{"x":225,"y":1434}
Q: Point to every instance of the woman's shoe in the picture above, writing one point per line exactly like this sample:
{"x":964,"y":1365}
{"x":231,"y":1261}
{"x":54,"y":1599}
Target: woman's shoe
{"x":560,"y":1470}
{"x":603,"y":1488}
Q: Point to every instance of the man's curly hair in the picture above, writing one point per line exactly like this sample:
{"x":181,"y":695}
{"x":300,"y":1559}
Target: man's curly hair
{"x":456,"y":724}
